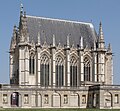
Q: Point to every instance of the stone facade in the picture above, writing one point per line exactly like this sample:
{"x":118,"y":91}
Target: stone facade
{"x":60,"y":64}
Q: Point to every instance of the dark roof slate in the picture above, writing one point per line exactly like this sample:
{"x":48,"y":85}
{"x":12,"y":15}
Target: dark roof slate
{"x":60,"y":28}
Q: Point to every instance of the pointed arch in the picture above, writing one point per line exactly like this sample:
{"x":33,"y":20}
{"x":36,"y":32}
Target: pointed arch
{"x":59,"y":64}
{"x":73,"y":70}
{"x":56,"y":99}
{"x":59,"y":53}
{"x":44,"y":69}
{"x":74,"y":99}
{"x":87,"y":68}
{"x":45,"y":52}
{"x":87,"y":54}
{"x":74,"y":54}
{"x":32,"y":51}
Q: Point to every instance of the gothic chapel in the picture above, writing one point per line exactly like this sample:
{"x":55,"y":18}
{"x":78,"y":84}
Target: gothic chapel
{"x":59,"y":64}
{"x":58,"y":53}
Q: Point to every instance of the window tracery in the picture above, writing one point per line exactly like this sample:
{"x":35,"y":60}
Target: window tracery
{"x":87,"y":69}
{"x":73,"y":71}
{"x":59,"y":71}
{"x":44,"y":68}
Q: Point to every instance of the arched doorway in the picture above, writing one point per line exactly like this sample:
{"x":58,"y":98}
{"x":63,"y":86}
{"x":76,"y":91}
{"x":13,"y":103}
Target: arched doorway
{"x":56,"y":100}
{"x":39,"y":100}
{"x":107,"y":99}
{"x":15,"y":99}
{"x":74,"y":100}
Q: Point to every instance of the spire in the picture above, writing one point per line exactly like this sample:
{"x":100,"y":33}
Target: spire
{"x":53,"y":40}
{"x":21,"y":9}
{"x":101,"y":36}
{"x":38,"y":38}
{"x":109,"y":48}
{"x":13,"y":41}
{"x":68,"y":40}
{"x":101,"y":43}
{"x":81,"y":42}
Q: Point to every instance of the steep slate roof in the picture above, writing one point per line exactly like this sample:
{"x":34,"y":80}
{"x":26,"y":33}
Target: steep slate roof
{"x":60,"y":28}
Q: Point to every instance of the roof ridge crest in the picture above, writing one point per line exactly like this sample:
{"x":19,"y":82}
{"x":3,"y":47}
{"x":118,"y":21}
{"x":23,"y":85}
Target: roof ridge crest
{"x":70,"y":21}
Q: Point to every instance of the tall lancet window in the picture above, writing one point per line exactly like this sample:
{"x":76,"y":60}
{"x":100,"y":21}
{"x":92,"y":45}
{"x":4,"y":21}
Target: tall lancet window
{"x":32,"y":64}
{"x":87,"y":69}
{"x":73,"y":72}
{"x":44,"y":71}
{"x":59,"y":71}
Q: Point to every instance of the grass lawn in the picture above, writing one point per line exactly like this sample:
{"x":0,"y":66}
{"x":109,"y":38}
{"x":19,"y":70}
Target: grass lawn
{"x":59,"y":109}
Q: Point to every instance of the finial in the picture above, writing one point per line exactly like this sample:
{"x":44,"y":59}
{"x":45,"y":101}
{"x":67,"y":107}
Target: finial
{"x":73,"y":46}
{"x":44,"y":35}
{"x":81,"y":42}
{"x":59,"y":44}
{"x":86,"y":47}
{"x":94,"y":45}
{"x":38,"y":38}
{"x":14,"y":28}
{"x":109,"y":48}
{"x":32,"y":42}
{"x":45,"y":43}
{"x":24,"y":13}
{"x":68,"y":40}
{"x":53,"y":40}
